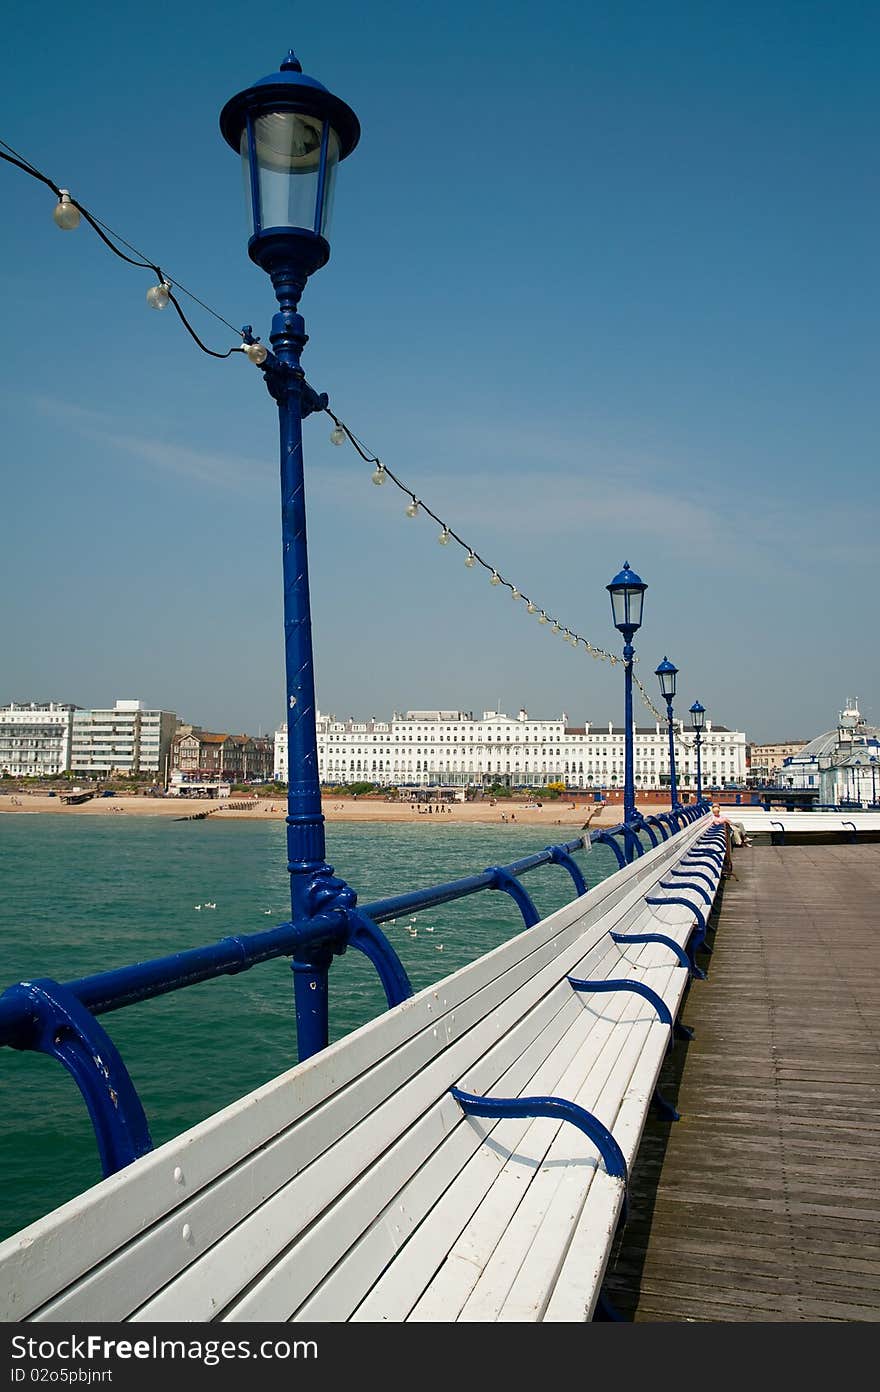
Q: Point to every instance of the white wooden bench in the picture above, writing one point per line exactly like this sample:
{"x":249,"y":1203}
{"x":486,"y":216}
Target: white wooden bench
{"x":358,"y":1185}
{"x":776,"y":824}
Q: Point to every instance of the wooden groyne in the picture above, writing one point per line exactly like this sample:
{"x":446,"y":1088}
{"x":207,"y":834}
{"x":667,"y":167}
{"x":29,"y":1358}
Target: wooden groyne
{"x":206,"y":812}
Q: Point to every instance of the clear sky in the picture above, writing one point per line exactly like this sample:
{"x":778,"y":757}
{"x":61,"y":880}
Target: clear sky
{"x":603,"y":288}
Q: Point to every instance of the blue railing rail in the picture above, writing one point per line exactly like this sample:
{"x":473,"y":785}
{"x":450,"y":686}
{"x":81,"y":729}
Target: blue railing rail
{"x":59,"y":1019}
{"x":625,"y":839}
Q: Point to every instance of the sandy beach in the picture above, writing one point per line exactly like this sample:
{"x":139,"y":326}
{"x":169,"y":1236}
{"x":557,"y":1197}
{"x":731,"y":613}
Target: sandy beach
{"x":360,"y":809}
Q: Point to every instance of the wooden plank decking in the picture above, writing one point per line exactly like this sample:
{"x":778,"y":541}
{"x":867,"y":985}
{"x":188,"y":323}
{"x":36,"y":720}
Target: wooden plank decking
{"x":763,"y":1202}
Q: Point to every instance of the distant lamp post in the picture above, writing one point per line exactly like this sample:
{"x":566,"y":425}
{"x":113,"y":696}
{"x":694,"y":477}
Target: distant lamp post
{"x":873,"y":762}
{"x":627,"y":593}
{"x":698,"y":725}
{"x":666,"y":673}
{"x":292,"y":134}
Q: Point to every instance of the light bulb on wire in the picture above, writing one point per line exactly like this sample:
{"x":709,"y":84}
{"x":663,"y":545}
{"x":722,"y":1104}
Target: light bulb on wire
{"x":412,"y":509}
{"x":514,"y":593}
{"x":378,"y":476}
{"x":158,"y":295}
{"x":496,"y":578}
{"x":337,"y":435}
{"x":66,"y":213}
{"x":470,"y":560}
{"x":257,"y":353}
{"x":443,"y":538}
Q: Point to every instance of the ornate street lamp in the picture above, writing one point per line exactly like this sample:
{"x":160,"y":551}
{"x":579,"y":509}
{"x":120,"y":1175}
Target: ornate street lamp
{"x":698,"y":725}
{"x":667,"y":672}
{"x":292,"y":134}
{"x":627,"y":593}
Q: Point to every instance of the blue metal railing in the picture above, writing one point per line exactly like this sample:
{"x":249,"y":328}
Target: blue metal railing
{"x":59,"y":1019}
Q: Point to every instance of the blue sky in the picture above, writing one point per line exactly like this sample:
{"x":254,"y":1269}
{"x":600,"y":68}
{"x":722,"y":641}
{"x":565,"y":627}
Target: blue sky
{"x":603,"y":288}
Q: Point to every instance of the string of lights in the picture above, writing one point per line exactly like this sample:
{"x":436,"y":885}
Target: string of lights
{"x":67,"y":215}
{"x":647,"y":700}
{"x":381,"y":472}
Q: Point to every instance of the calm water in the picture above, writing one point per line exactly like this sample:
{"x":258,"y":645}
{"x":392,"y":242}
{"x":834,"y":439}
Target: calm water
{"x":80,"y":896}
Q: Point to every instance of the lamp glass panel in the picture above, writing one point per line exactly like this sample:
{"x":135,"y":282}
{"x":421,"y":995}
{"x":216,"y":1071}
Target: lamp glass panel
{"x":619,"y":608}
{"x":626,"y":606}
{"x":635,"y":601}
{"x":288,"y":153}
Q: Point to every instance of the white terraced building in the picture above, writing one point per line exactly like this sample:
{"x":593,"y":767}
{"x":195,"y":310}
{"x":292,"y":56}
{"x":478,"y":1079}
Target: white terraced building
{"x":455,"y":749}
{"x":35,"y":738}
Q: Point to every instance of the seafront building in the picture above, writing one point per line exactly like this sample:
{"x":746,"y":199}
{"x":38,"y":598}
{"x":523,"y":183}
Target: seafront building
{"x":843,"y":764}
{"x":125,"y":740}
{"x":455,"y":749}
{"x":766,"y":760}
{"x":35,"y":738}
{"x":202,"y":754}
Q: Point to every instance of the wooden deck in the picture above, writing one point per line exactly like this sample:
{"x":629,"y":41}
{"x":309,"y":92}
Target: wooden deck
{"x":763,"y":1202}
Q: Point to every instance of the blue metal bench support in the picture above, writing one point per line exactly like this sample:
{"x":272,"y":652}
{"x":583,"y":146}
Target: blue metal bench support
{"x":502,"y":879}
{"x":660,"y":825}
{"x":777,"y":838}
{"x":700,"y":940}
{"x":364,"y":935}
{"x":606,"y":1311}
{"x":606,"y":838}
{"x":689,"y":884}
{"x":58,"y":1024}
{"x":654,"y":938}
{"x":637,"y":987}
{"x":705,"y":861}
{"x":644,"y":824}
{"x":852,"y":833}
{"x":558,"y":1109}
{"x":666,"y":1110}
{"x":697,"y":913}
{"x":691,"y":872}
{"x":560,"y":856}
{"x":633,"y":845}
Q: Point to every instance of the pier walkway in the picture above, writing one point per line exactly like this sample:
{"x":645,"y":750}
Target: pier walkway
{"x":763,"y":1202}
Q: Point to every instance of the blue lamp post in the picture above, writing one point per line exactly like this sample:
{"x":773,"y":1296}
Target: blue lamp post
{"x":698,"y":725}
{"x":292,"y":134}
{"x":627,"y":593}
{"x":667,"y":672}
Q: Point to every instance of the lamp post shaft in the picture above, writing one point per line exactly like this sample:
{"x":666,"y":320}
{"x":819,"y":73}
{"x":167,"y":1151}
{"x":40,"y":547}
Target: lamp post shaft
{"x":629,"y":791}
{"x":698,"y":742}
{"x":305,"y":821}
{"x":673,"y":790}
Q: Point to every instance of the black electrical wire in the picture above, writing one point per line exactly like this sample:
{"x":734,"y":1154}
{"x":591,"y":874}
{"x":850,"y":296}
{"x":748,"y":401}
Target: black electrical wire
{"x":109,"y":238}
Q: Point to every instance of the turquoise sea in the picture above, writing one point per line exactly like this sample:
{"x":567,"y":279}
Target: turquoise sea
{"x":81,"y":896}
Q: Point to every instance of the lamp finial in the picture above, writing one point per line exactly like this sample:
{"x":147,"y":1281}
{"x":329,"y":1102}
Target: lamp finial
{"x":291,"y":63}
